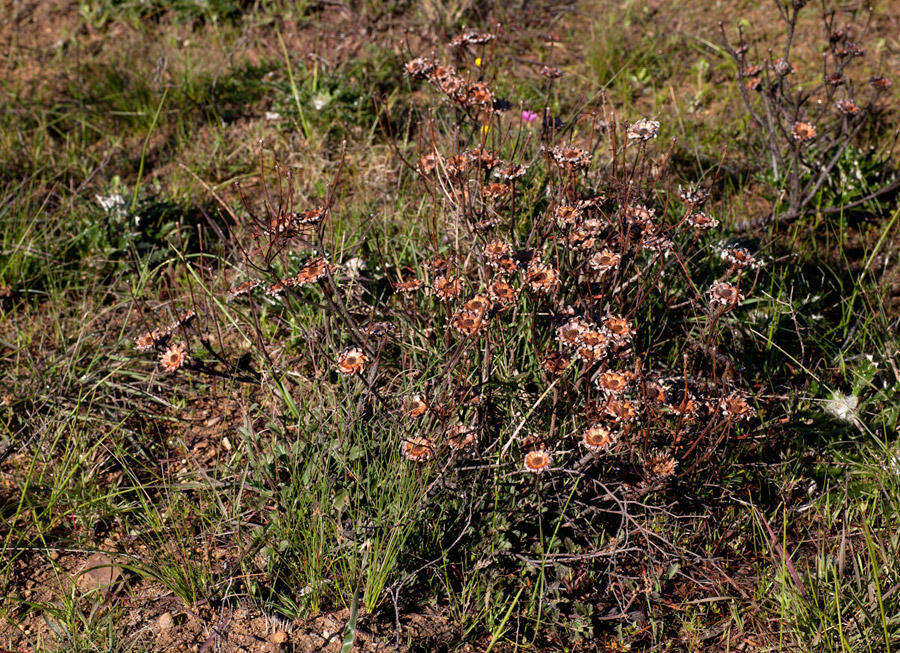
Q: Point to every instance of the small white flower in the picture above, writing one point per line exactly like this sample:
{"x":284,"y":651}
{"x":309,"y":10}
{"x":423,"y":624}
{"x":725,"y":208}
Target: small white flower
{"x":843,"y":407}
{"x":320,"y":101}
{"x":114,"y":204}
{"x":894,"y":460}
{"x":272,"y":116}
{"x":354,"y":266}
{"x":110,"y":203}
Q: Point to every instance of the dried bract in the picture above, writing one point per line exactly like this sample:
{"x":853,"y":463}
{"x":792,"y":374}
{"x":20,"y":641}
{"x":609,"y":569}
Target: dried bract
{"x":643,"y":130}
{"x":417,"y":449}
{"x":173,"y":357}
{"x":351,"y":361}
{"x":537,"y":461}
{"x":722,"y":294}
{"x":598,"y":438}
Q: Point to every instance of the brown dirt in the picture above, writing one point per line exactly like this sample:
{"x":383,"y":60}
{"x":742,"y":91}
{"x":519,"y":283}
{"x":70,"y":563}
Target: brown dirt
{"x":149,"y":616}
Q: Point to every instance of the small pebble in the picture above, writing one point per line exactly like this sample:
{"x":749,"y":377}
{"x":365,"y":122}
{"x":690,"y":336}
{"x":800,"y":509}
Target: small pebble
{"x":165,"y":621}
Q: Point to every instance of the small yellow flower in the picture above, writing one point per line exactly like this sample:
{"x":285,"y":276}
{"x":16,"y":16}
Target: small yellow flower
{"x":478,"y":61}
{"x":485,"y":129}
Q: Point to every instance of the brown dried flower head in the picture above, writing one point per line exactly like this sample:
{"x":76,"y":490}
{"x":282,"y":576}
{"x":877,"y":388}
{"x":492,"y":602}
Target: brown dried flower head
{"x":471,"y":37}
{"x":702,"y":221}
{"x":461,"y":436}
{"x":593,"y":225}
{"x":277,"y":288}
{"x":656,"y":243}
{"x":735,"y":407}
{"x":724,"y":294}
{"x":880,"y":83}
{"x":439,"y":73}
{"x":501,"y":293}
{"x":439,"y":264}
{"x":311,"y":272}
{"x":782,"y":67}
{"x":378,"y":329}
{"x":551,"y":72}
{"x":655,"y":393}
{"x":568,"y":334}
{"x":149,"y":340}
{"x":660,"y":465}
{"x":693,"y":195}
{"x":509,"y":171}
{"x":803,"y":131}
{"x":454,"y":87}
{"x":850,"y":50}
{"x":283,"y":225}
{"x":554,"y":363}
{"x":638,"y":214}
{"x":613,"y":383}
{"x":604,"y":261}
{"x":597,"y":438}
{"x":566,"y":215}
{"x":570,"y":158}
{"x":537,"y":461}
{"x":428,"y":163}
{"x":409,"y":286}
{"x":589,"y":355}
{"x":417,"y":449}
{"x":739,"y":258}
{"x":420,"y":67}
{"x":752,"y":71}
{"x":173,"y":357}
{"x":477,"y":94}
{"x":591,"y":200}
{"x":457,"y":165}
{"x":312,"y":216}
{"x":593,"y":341}
{"x":581,"y":238}
{"x":643,"y":130}
{"x":415,"y":406}
{"x":847,"y":107}
{"x":506,"y":265}
{"x":688,"y":408}
{"x":541,"y":277}
{"x":482,"y":158}
{"x":467,"y":322}
{"x":619,"y":411}
{"x":496,"y":250}
{"x":351,"y":361}
{"x":496,"y":191}
{"x":619,"y":329}
{"x":181,"y":321}
{"x":144,"y":341}
{"x":446,"y":288}
{"x":479,"y":304}
{"x":243,"y":288}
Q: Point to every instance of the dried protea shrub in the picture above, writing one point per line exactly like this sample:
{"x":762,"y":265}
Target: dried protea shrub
{"x":546,"y":257}
{"x":807,"y":112}
{"x":557,"y":307}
